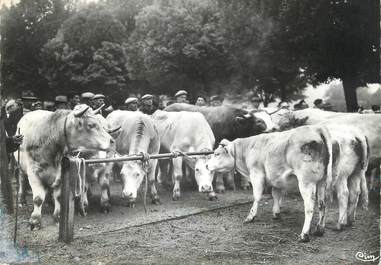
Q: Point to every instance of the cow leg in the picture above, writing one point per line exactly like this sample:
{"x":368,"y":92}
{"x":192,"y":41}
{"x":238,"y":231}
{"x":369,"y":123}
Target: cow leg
{"x":308,"y":192}
{"x":277,"y":197}
{"x":162,"y":177}
{"x":372,"y":177}
{"x":176,"y":177}
{"x":322,"y":208}
{"x":220,"y":188}
{"x":104,"y":183}
{"x":151,"y":180}
{"x":354,"y":193}
{"x":245,"y":185}
{"x":39,"y":193}
{"x":342,"y":197}
{"x":258,"y":178}
{"x":57,"y":203}
{"x":230,"y":180}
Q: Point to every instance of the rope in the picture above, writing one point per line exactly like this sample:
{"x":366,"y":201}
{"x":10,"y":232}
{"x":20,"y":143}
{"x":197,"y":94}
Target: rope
{"x":145,"y":160}
{"x":80,"y":183}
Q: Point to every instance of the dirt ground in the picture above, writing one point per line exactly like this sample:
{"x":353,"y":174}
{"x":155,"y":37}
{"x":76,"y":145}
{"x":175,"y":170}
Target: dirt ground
{"x":197,"y":231}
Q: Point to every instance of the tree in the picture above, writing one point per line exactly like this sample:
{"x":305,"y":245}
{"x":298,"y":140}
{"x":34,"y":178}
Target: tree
{"x":337,"y":39}
{"x":178,"y":44}
{"x":87,"y":53}
{"x":25,"y":28}
{"x":263,"y":54}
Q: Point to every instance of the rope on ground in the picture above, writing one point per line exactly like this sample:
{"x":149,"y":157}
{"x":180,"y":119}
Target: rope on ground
{"x":203,"y":210}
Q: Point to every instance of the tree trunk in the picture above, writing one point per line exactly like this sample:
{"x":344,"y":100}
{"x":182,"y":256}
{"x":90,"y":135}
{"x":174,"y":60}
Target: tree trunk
{"x":350,"y":86}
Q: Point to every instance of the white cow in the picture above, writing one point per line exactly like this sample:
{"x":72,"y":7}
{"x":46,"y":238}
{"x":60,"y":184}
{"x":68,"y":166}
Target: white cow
{"x":300,"y":157}
{"x":186,"y":132}
{"x":138,"y":135}
{"x":47,"y":137}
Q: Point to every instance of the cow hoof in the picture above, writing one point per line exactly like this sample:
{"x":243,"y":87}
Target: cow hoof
{"x":246,"y":187}
{"x":304,"y":238}
{"x":35,"y":224}
{"x":248,"y":220}
{"x":106,"y":207}
{"x":339,"y":228}
{"x":131,"y":204}
{"x":83,"y":212}
{"x":319,"y":231}
{"x":220,"y":189}
{"x":22,"y":203}
{"x":276,"y":216}
{"x":56,"y":218}
{"x":156,"y":201}
{"x":175,"y":197}
{"x":349,"y":223}
{"x":212,"y":197}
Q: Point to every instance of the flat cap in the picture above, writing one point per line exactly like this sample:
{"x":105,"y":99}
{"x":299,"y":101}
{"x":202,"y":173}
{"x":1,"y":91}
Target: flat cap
{"x":96,"y":96}
{"x":146,"y":96}
{"x":28,"y":94}
{"x":10,"y":103}
{"x":130,"y":100}
{"x":216,"y":97}
{"x":87,"y":95}
{"x":180,"y":93}
{"x":61,"y":98}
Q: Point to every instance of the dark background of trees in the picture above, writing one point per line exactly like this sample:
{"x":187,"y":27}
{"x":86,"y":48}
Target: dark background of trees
{"x":117,"y":47}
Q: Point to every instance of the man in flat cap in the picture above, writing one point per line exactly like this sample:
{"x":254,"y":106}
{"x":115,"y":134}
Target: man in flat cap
{"x":28,"y":98}
{"x":87,"y":98}
{"x":131,"y":104}
{"x":181,"y":96}
{"x":98,"y":100}
{"x":216,"y":100}
{"x":146,"y":104}
{"x":255,"y":102}
{"x":60,"y":102}
{"x":201,"y":101}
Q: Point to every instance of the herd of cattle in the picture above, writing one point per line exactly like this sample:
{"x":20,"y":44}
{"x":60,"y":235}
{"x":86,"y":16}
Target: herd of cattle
{"x":327,"y":152}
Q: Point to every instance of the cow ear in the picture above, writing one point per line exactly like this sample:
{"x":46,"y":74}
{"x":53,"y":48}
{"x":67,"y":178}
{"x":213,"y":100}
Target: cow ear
{"x":224,"y":142}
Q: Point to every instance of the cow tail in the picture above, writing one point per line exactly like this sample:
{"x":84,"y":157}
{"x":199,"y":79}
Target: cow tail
{"x":363,"y":141}
{"x":329,"y":165}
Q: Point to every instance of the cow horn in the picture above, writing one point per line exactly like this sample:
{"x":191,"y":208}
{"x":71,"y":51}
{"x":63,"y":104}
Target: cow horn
{"x":80,"y":112}
{"x":113,"y":130}
{"x":96,"y":111}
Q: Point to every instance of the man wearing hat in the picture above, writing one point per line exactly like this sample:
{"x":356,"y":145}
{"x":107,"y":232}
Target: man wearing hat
{"x":255,"y":102}
{"x":98,"y":100}
{"x":181,"y":96}
{"x":146,"y":104}
{"x":200,"y":101}
{"x":37,"y":105}
{"x":28,"y":98}
{"x":87,"y":98}
{"x":131,"y":104}
{"x":216,"y":100}
{"x":60,"y":102}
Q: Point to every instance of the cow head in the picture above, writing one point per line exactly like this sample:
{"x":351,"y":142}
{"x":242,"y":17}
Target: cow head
{"x":250,"y":124}
{"x":203,"y":176}
{"x":132,"y":175}
{"x":84,"y":130}
{"x":222,"y":160}
{"x":271,"y":126}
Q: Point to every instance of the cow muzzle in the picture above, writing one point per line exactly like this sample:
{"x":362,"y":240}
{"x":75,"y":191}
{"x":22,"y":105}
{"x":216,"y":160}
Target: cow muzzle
{"x":129,"y":196}
{"x":206,"y":188}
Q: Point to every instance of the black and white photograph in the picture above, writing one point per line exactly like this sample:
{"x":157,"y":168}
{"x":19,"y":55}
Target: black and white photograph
{"x":199,"y":132}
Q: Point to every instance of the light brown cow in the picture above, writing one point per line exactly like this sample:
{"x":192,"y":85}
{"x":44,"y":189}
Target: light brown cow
{"x":301,"y":157}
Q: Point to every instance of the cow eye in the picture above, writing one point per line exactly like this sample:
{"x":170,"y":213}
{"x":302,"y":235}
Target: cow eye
{"x":217,"y":154}
{"x":91,"y":125}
